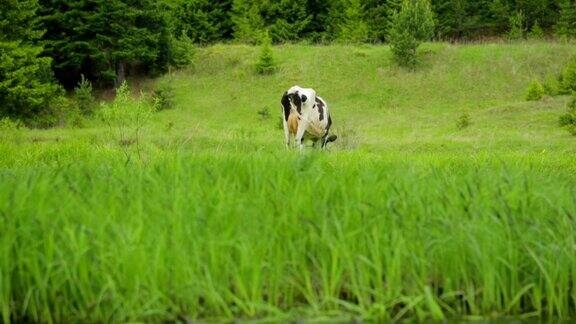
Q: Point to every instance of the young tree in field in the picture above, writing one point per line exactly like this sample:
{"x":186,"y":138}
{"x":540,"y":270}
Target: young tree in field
{"x":412,"y":25}
{"x":266,"y":63}
{"x":26,"y":83}
{"x":566,"y":26}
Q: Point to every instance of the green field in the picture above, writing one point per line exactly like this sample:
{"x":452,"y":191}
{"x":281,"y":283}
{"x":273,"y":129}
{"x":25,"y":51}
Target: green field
{"x":200,"y":212}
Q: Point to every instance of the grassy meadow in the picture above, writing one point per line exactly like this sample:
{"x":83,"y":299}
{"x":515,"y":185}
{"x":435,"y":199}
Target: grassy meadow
{"x":199,"y":212}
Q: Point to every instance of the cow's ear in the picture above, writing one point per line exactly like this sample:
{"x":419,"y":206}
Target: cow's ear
{"x":304,"y":98}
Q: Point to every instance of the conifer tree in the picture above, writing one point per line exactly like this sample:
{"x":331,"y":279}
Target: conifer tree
{"x":566,"y":26}
{"x":26,"y":84}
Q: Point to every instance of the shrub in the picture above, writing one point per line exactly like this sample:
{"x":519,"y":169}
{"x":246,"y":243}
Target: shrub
{"x":266,"y":63}
{"x":463,"y":121}
{"x":83,"y":96}
{"x":536,"y":32}
{"x":353,"y":28}
{"x":248,"y":21}
{"x":566,"y":25}
{"x":551,"y":86}
{"x":568,"y":78}
{"x":182,"y":51}
{"x":568,"y":119}
{"x":264,"y":113}
{"x":126,"y":116}
{"x":163,"y":96}
{"x":535,"y":91}
{"x":516,"y":24}
{"x":10,"y":128}
{"x":8,"y":124}
{"x":410,"y":26}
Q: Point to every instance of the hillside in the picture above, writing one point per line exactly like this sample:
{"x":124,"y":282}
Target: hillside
{"x":378,"y":106}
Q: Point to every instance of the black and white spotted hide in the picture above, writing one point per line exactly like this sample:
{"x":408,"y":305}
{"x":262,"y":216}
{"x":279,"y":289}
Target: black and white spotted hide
{"x":305,"y":114}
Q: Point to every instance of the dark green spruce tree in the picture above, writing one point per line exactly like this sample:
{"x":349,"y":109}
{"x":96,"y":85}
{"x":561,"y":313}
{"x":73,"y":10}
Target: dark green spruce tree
{"x":203,"y":21}
{"x":102,"y":39}
{"x":566,"y":26}
{"x":26,"y":82}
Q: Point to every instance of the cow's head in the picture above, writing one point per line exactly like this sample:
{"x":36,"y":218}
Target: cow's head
{"x":297,"y":99}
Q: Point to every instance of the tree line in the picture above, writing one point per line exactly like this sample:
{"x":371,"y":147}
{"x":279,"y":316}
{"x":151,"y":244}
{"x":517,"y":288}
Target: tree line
{"x":50,"y":45}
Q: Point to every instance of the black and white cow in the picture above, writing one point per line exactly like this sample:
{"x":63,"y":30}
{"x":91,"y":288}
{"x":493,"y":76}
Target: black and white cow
{"x":306,"y":114}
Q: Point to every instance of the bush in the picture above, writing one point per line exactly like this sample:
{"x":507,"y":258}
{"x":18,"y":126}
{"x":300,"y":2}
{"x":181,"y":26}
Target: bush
{"x":248,"y":21}
{"x":10,"y":129}
{"x":568,"y":78}
{"x":83,"y":96}
{"x":266,"y":63}
{"x":409,"y":27}
{"x":353,"y":28}
{"x":568,"y":119}
{"x":126,"y":116}
{"x":182,"y":51}
{"x":516,"y":24}
{"x":264,"y":113}
{"x":536,"y":32}
{"x":535,"y":91}
{"x":7,"y":124}
{"x":551,"y":86}
{"x":463,"y":121}
{"x":163,"y":96}
{"x":566,"y":25}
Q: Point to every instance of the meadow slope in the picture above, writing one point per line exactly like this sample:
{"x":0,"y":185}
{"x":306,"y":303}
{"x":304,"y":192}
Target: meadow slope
{"x":205,"y":215}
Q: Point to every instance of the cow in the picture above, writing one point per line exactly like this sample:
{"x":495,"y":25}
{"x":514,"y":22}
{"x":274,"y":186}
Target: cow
{"x":304,"y":113}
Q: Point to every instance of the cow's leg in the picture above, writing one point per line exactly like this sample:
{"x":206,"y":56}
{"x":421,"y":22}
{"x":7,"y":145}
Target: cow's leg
{"x":323,"y":140}
{"x":286,"y":133}
{"x":302,"y":126}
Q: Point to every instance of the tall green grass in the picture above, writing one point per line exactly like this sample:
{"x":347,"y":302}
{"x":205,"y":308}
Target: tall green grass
{"x":282,"y":235}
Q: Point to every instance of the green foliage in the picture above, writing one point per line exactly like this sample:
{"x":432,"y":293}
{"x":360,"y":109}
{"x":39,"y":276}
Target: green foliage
{"x":248,"y":22}
{"x":351,"y":27}
{"x":26,"y":85}
{"x":377,"y":17}
{"x":568,"y":119}
{"x":286,"y":20}
{"x":568,"y":77}
{"x":203,"y":21}
{"x":126,"y":116}
{"x":163,"y":97}
{"x":410,"y":26}
{"x":463,"y":121}
{"x":83,"y":96}
{"x":103,"y":39}
{"x":266,"y":63}
{"x":535,"y":91}
{"x":264,"y":113}
{"x":536,"y":32}
{"x":566,"y":25}
{"x":182,"y":51}
{"x":516,"y":26}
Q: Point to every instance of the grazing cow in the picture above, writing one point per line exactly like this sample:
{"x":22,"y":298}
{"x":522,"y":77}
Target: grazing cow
{"x":305,"y":114}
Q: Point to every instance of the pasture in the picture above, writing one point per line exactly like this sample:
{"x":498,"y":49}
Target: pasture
{"x":200,"y":213}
